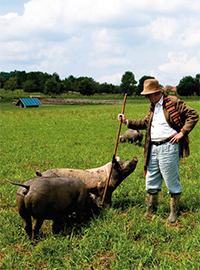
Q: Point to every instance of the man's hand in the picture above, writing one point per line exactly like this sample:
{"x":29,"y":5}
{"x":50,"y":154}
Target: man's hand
{"x":122,"y":118}
{"x":177,"y":137}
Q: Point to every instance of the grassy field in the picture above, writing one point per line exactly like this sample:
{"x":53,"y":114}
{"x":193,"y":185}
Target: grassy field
{"x":121,"y":237}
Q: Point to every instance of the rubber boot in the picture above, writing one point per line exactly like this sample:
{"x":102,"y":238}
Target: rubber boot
{"x":174,"y":207}
{"x":152,"y":203}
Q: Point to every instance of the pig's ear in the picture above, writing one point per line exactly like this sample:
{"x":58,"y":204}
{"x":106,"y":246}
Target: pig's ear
{"x":116,"y":164}
{"x":38,"y":173}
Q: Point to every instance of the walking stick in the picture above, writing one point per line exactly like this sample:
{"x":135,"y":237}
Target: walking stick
{"x":115,"y":150}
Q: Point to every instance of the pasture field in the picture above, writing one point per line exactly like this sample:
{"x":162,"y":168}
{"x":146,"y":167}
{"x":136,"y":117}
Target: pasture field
{"x":121,"y":237}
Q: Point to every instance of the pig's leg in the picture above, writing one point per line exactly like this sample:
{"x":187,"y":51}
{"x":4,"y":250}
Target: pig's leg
{"x":27,"y":225}
{"x":140,"y":140}
{"x":25,"y":215}
{"x":101,"y":188}
{"x":81,"y":203}
{"x":59,"y":225}
{"x":93,"y":205}
{"x":107,"y":201}
{"x":37,"y":223}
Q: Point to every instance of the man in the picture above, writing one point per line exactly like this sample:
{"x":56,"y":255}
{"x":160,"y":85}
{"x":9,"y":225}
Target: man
{"x":167,"y":124}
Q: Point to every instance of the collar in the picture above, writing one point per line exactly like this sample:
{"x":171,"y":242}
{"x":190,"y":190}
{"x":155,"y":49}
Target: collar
{"x":160,"y":102}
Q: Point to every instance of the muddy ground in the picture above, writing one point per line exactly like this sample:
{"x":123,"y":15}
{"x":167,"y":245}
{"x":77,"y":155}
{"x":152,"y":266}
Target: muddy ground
{"x":78,"y":101}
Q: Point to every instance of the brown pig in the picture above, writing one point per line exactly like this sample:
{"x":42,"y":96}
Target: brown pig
{"x":95,"y":179}
{"x":52,"y":198}
{"x":132,"y":135}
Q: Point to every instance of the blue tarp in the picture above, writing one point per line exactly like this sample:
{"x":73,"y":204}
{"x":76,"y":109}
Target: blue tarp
{"x":29,"y":102}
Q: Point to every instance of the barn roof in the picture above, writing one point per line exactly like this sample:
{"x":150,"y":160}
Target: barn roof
{"x":29,"y":102}
{"x":171,"y":88}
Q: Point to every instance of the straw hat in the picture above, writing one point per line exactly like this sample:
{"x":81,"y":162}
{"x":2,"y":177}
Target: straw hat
{"x":151,"y":86}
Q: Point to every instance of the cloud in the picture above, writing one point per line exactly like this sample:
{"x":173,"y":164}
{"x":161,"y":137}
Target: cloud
{"x":181,"y":63}
{"x":163,"y":29}
{"x":182,"y":31}
{"x":191,"y":34}
{"x":114,"y":78}
{"x":109,"y":62}
{"x":102,"y":39}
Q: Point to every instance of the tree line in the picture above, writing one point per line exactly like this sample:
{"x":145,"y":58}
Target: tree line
{"x":51,"y":84}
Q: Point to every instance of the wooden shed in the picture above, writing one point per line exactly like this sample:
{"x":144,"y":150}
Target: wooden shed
{"x":28,"y":102}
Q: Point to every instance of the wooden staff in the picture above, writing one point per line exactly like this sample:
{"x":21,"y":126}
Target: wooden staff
{"x":115,"y":150}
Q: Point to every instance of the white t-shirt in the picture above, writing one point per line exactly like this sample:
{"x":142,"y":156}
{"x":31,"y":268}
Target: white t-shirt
{"x":160,"y":129}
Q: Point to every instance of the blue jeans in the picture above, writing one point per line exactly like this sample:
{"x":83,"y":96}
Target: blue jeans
{"x":164,"y":164}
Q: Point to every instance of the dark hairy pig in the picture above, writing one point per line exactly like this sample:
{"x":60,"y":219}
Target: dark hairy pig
{"x":52,"y":198}
{"x":132,"y":135}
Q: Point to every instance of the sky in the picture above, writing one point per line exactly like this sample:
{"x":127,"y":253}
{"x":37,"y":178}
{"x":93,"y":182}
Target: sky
{"x":102,"y":39}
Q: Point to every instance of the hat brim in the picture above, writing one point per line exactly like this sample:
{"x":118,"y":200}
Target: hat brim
{"x":145,"y":93}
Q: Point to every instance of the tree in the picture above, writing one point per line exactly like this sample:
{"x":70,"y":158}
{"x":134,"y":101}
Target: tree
{"x":39,"y":78}
{"x":56,"y":76}
{"x":128,"y":83}
{"x":197,"y":81}
{"x":52,"y":87}
{"x":21,"y":78}
{"x":2,"y":81}
{"x":106,"y":88}
{"x":30,"y":86}
{"x":63,"y":88}
{"x":11,"y":84}
{"x":187,"y":86}
{"x":32,"y":76}
{"x":87,"y":86}
{"x":73,"y":83}
{"x":6,"y":75}
{"x":141,"y":83}
{"x":67,"y":84}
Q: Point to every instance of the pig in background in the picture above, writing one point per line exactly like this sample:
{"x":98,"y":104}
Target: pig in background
{"x":132,"y":135}
{"x":95,"y":179}
{"x":54,"y":199}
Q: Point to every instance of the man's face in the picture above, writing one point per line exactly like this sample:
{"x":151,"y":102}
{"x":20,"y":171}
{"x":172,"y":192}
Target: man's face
{"x":154,"y":97}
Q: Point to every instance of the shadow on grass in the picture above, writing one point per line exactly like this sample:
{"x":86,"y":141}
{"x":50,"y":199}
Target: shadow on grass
{"x":125,"y":203}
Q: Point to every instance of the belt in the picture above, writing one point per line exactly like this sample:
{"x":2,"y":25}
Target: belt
{"x":161,"y":142}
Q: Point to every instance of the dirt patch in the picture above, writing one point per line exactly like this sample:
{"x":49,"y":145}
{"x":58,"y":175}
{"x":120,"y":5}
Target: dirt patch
{"x":78,"y":101}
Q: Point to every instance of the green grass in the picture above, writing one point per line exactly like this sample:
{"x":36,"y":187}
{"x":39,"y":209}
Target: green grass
{"x":74,"y":136}
{"x":9,"y":96}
